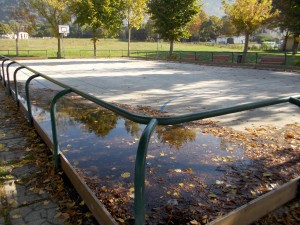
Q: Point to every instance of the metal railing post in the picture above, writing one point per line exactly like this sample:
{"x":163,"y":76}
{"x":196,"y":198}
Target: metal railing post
{"x":53,"y":124}
{"x":139,"y":176}
{"x":8,"y":80}
{"x":16,"y":86}
{"x":29,"y":113}
{"x":1,"y":58}
{"x":3,"y":74}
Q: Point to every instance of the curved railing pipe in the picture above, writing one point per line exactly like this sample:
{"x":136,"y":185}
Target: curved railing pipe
{"x":29,"y":112}
{"x":222,"y":111}
{"x":53,"y":124}
{"x":3,"y":74}
{"x":139,"y":175}
{"x":16,"y":86}
{"x":7,"y":75}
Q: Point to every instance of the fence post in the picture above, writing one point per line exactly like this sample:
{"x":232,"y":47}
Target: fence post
{"x":256,"y":57}
{"x":53,"y":124}
{"x":139,"y":175}
{"x":285,"y":58}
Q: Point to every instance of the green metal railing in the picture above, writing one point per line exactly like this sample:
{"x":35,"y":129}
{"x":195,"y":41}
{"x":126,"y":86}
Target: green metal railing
{"x":151,"y":122}
{"x":207,"y":56}
{"x":25,"y":53}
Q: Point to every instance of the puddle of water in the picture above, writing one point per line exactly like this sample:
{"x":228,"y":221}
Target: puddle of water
{"x":102,"y":145}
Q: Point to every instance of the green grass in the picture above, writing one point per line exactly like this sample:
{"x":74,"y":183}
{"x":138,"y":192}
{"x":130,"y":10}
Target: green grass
{"x":73,"y":46}
{"x":83,"y":47}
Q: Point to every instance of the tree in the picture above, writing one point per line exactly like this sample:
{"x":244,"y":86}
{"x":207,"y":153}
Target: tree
{"x":211,"y":28}
{"x":21,"y":20}
{"x":172,"y":17}
{"x":289,"y":19}
{"x":56,"y":13}
{"x":4,"y":28}
{"x":196,"y":23}
{"x":99,"y":16}
{"x":248,"y":16}
{"x":134,"y":14}
{"x":228,"y":28}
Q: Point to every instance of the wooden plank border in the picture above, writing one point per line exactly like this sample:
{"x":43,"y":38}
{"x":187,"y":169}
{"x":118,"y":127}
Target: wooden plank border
{"x":261,"y":206}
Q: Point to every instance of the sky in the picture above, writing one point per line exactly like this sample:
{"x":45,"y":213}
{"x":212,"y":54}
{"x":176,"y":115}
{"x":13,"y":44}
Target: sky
{"x":213,"y":7}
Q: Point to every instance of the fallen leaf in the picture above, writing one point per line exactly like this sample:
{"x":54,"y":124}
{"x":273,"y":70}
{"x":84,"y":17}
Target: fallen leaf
{"x":219,"y":182}
{"x":125,"y":175}
{"x":212,"y":196}
{"x":181,"y":184}
{"x":194,"y":222}
{"x":16,"y":216}
{"x":46,"y":202}
{"x":267,"y":174}
{"x":121,"y":220}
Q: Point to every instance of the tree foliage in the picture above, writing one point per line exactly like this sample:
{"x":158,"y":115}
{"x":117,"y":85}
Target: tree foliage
{"x":21,"y":20}
{"x":196,"y":23}
{"x":4,"y":28}
{"x":248,"y":15}
{"x":99,"y":16}
{"x":55,"y":12}
{"x":134,"y":14}
{"x":211,"y":28}
{"x":172,"y":17}
{"x":289,"y":19}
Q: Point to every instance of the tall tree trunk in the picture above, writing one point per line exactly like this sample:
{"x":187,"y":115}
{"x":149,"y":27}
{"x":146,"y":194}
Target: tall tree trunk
{"x":129,"y":37}
{"x":285,"y":41}
{"x":296,"y":44}
{"x":58,"y":47}
{"x":171,"y":48}
{"x":95,"y":46}
{"x":17,"y":44}
{"x":95,"y":42}
{"x":247,"y":37}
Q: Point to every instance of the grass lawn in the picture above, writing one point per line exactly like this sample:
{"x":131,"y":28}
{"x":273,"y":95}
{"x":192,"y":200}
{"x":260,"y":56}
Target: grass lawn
{"x":75,"y":47}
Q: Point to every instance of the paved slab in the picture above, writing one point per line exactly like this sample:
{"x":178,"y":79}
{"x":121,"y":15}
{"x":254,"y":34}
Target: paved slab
{"x":178,"y":88}
{"x":19,"y":204}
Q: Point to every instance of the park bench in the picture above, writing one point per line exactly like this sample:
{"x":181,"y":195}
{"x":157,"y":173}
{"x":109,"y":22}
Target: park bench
{"x":272,"y":60}
{"x":221,"y":58}
{"x":188,"y":57}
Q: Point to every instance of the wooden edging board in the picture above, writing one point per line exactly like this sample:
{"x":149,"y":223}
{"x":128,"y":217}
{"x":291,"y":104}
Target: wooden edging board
{"x":261,"y":206}
{"x":97,"y":208}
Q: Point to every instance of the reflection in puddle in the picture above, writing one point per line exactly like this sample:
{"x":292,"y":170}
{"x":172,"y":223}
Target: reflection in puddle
{"x":102,"y":147}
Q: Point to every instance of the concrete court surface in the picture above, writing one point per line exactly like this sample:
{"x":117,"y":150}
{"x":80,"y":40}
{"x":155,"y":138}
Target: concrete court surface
{"x":179,"y":88}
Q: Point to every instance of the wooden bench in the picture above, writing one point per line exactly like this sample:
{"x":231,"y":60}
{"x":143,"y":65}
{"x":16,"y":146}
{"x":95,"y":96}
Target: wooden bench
{"x":273,"y":60}
{"x":188,"y":57}
{"x":221,"y":58}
